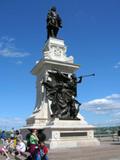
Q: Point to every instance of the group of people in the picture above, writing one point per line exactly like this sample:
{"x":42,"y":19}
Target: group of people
{"x":13,"y":144}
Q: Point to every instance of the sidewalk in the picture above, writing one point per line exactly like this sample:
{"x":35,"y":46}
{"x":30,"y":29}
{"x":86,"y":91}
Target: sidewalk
{"x":106,"y":151}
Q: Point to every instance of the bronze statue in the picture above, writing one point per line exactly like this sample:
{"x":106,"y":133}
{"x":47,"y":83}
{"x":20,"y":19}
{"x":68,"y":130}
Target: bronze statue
{"x":61,"y":92}
{"x":54,"y":22}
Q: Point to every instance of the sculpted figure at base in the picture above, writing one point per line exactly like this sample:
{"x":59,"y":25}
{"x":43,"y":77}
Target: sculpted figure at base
{"x":61,"y":91}
{"x":54,"y":22}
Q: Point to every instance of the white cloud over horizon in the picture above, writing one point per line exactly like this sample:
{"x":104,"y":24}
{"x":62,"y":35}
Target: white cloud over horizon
{"x":8,"y":48}
{"x":108,"y":106}
{"x":103,"y":105}
{"x":11,"y":122}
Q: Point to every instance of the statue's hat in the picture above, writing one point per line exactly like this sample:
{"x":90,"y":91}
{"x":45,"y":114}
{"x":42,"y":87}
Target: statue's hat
{"x":53,"y":8}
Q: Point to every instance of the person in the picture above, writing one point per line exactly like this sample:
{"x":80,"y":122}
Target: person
{"x":41,"y":135}
{"x":54,"y":22}
{"x":28,"y":141}
{"x":12,"y":134}
{"x":12,"y":145}
{"x":4,"y":149}
{"x":42,"y":152}
{"x":20,"y":147}
{"x":33,"y":143}
{"x":18,"y":135}
{"x":3,"y":137}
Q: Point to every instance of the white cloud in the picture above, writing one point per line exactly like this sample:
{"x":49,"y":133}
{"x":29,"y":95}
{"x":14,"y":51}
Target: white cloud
{"x":107,"y":109}
{"x":103,"y":105}
{"x":9,"y":122}
{"x":117,"y":65}
{"x":109,"y":122}
{"x":8,"y":48}
{"x":19,"y":62}
{"x":114,"y":96}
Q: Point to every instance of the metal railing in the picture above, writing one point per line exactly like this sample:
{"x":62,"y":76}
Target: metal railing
{"x":108,"y":137}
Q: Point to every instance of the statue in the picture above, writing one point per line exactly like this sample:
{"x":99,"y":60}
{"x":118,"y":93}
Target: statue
{"x":54,"y":22}
{"x":61,"y":91}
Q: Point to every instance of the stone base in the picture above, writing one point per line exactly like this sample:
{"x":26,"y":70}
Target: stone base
{"x":36,"y":122}
{"x":39,"y":118}
{"x":72,"y":143}
{"x":64,"y":133}
{"x":70,"y":134}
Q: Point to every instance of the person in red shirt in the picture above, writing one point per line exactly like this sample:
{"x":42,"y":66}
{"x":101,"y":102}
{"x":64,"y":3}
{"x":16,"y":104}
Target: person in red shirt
{"x":42,"y":153}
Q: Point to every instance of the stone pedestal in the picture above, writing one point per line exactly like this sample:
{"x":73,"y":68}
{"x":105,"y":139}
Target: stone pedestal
{"x":60,"y":133}
{"x":70,"y":134}
{"x":54,"y":57}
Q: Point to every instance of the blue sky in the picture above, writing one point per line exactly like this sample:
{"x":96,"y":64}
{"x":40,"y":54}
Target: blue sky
{"x":91,"y":31}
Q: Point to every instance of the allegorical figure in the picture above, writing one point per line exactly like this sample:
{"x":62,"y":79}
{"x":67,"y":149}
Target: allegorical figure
{"x":54,"y":22}
{"x":61,"y":91}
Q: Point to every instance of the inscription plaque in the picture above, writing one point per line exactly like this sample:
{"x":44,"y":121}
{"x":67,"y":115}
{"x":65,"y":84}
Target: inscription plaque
{"x":71,"y":134}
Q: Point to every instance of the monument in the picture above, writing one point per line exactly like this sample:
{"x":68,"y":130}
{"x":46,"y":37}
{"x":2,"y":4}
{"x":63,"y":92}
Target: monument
{"x":56,"y":110}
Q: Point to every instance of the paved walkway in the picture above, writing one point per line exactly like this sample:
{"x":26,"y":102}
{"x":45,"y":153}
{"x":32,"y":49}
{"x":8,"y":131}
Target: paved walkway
{"x":102,"y":152}
{"x":106,"y":151}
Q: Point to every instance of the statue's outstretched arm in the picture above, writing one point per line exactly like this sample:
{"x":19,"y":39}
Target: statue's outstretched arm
{"x":80,"y":79}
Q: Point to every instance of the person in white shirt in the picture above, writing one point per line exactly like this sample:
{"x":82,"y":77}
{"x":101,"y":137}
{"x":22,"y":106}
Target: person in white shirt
{"x":20,"y":147}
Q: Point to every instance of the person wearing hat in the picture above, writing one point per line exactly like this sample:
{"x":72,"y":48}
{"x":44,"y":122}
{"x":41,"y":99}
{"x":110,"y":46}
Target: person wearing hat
{"x":54,"y":22}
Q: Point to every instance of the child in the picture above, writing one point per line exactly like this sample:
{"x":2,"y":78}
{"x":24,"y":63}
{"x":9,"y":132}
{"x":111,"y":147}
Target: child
{"x":42,"y":152}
